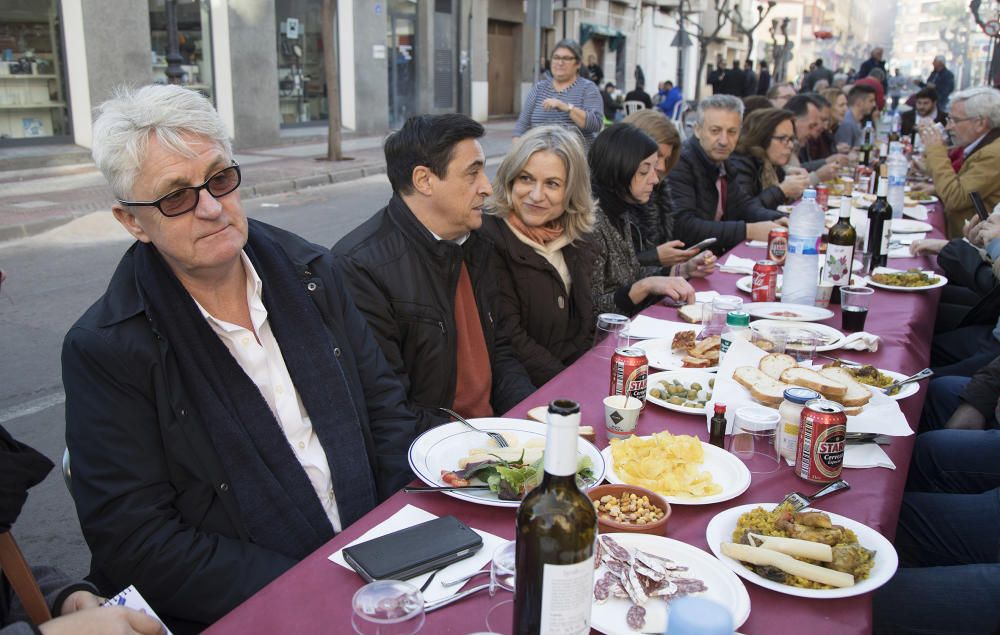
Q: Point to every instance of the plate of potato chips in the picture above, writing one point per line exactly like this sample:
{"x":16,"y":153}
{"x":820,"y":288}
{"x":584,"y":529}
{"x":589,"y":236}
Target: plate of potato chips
{"x":681,"y":468}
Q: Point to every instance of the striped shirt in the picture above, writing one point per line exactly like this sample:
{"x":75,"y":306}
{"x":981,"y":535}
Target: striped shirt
{"x":582,"y":94}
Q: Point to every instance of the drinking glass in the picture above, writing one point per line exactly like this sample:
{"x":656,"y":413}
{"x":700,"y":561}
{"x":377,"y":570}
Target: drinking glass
{"x":801,"y":344}
{"x":500,"y":616}
{"x":713,"y":314}
{"x":753,"y":438}
{"x":610,"y":334}
{"x":854,"y":303}
{"x":388,"y":607}
{"x":772,"y":340}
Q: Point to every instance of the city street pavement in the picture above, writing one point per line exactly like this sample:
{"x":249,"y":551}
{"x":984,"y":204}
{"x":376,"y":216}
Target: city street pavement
{"x":55,"y":275}
{"x":35,"y":199}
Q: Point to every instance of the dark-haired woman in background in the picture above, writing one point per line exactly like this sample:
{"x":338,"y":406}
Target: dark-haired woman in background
{"x":539,"y":221}
{"x":765,"y":147}
{"x":623,"y":176}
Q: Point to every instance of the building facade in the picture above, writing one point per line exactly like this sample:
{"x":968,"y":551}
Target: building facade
{"x":261,"y":61}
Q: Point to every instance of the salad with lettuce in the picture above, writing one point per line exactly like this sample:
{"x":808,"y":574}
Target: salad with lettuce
{"x":511,"y":478}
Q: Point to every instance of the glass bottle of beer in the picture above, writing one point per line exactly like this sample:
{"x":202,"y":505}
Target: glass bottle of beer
{"x":839,"y":258}
{"x":879,"y":224}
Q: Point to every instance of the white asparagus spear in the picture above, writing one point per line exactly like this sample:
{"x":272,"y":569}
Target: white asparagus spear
{"x":795,"y":547}
{"x":788,"y":564}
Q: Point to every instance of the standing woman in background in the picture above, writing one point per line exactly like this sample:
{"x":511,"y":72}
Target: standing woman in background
{"x":623,"y":176}
{"x":566,"y":99}
{"x":539,"y":221}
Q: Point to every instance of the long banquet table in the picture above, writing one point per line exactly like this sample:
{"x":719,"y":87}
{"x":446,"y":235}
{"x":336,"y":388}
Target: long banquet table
{"x":315,"y":595}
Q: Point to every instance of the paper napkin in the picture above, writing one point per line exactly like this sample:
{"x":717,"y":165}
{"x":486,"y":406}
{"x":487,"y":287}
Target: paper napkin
{"x":735,"y":264}
{"x":643,"y":327}
{"x":409,"y":516}
{"x":918,"y":212}
{"x":866,"y":455}
{"x":761,"y":244}
{"x":861,"y":341}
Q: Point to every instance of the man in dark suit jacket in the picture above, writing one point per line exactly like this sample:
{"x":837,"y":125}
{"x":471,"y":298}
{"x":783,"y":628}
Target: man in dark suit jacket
{"x":707,"y":200}
{"x":875,"y":61}
{"x":925,"y":110}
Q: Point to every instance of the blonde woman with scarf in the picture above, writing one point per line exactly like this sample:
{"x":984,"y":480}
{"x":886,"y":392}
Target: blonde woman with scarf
{"x":540,"y":220}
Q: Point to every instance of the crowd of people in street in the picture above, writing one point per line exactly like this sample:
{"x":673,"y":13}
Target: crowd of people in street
{"x":239,"y":395}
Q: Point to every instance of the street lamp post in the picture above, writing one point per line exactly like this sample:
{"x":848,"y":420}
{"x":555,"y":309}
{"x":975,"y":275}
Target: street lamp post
{"x":174,"y":71}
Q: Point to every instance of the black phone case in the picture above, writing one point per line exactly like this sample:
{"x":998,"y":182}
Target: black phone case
{"x":977,"y":202}
{"x":409,"y":552}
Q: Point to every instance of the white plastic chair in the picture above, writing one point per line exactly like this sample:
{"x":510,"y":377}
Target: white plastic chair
{"x":632,"y":106}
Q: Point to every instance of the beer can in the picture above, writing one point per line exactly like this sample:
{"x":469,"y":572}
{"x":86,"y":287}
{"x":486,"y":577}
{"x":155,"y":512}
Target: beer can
{"x":819,"y":453}
{"x":823,"y":195}
{"x":764,"y":287}
{"x":777,"y":244}
{"x":629,"y":369}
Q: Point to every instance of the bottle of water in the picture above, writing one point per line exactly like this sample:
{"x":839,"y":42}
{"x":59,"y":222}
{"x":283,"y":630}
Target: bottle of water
{"x":898,"y":166}
{"x":698,"y":616}
{"x":801,"y":272}
{"x":884,"y":127}
{"x":897,"y":123}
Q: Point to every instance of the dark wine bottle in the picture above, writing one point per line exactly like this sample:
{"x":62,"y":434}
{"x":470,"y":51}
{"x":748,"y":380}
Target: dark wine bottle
{"x":839,"y":259}
{"x":867,"y":143}
{"x":879,"y":224}
{"x":556,"y":529}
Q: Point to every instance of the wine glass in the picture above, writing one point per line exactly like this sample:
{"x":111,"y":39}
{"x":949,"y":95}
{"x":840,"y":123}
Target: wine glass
{"x":500,"y":617}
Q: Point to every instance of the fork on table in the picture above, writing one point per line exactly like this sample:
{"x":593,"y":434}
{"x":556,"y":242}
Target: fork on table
{"x":800,"y":501}
{"x":496,"y":436}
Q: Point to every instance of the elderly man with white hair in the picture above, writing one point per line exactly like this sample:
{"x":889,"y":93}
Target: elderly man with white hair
{"x":228,"y":410}
{"x":975,"y":127}
{"x":942,"y":80}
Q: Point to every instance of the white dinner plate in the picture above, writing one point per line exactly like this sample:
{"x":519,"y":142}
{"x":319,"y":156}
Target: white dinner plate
{"x":787,"y":312}
{"x":646,"y":328}
{"x":726,"y":469}
{"x":723,"y":587}
{"x":909,"y":226}
{"x":924,"y":201}
{"x":940,"y":283}
{"x":745,"y":284}
{"x":440,"y":448}
{"x":720,"y":530}
{"x":686,"y":377}
{"x":661,"y":354}
{"x":830,"y":338}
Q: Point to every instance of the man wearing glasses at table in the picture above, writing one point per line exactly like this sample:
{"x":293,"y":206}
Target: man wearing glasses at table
{"x":228,"y":409}
{"x":975,"y":126}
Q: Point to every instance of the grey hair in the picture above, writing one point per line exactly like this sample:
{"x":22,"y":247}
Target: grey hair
{"x":980,"y":102}
{"x":839,"y":80}
{"x":719,"y":102}
{"x":570,"y":44}
{"x":939,"y":58}
{"x":125,"y":123}
{"x":578,"y":217}
{"x":877,"y":73}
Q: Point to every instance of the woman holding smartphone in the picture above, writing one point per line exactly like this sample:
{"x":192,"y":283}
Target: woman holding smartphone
{"x":540,"y":222}
{"x":623,"y":174}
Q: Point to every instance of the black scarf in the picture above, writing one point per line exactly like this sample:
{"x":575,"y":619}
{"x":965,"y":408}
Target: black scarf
{"x":276,"y":499}
{"x":625,"y":216}
{"x":21,"y":468}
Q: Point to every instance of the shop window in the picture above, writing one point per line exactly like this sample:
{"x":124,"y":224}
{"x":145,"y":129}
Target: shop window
{"x":194,"y":43}
{"x":32,"y":90}
{"x":301,"y":74}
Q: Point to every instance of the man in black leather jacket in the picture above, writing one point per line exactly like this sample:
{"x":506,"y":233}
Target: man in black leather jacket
{"x":419,"y":270}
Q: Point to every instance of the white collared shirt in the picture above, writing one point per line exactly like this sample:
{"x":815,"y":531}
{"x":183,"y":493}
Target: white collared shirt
{"x":265,"y":366}
{"x":972,"y":146}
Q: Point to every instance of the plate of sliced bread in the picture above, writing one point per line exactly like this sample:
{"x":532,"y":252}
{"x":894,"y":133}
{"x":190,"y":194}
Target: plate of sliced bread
{"x":777,"y":371}
{"x":683,"y":350}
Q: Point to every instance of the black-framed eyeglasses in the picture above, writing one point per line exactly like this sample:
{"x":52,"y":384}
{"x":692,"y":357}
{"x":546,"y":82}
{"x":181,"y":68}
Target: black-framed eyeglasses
{"x":564,"y":58}
{"x":784,"y":139}
{"x":185,"y":199}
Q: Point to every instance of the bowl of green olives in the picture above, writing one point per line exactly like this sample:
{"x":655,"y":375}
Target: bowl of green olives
{"x":684,"y":391}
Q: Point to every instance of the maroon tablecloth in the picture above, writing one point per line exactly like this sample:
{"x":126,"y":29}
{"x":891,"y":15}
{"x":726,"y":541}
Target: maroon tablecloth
{"x":314,"y":596}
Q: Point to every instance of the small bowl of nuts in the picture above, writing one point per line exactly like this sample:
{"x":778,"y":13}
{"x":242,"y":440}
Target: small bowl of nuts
{"x":630,"y":508}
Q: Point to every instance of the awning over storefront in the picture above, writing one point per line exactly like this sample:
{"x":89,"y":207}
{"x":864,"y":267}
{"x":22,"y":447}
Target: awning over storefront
{"x":588,"y":30}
